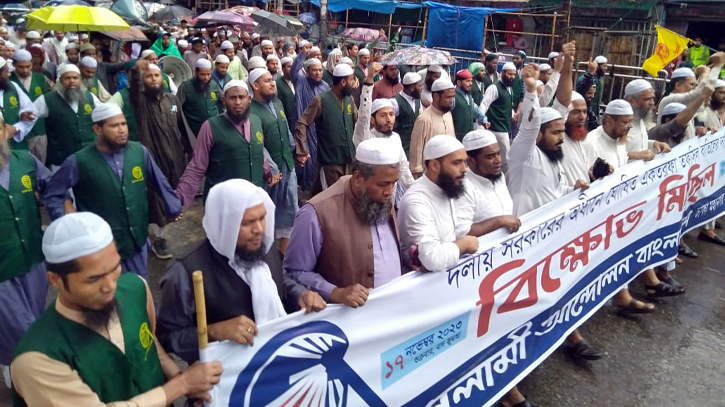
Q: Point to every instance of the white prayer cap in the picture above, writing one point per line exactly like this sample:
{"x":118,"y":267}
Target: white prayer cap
{"x":84,"y":36}
{"x":601,"y":59}
{"x":719,"y":84}
{"x":619,"y":107}
{"x":673,"y":108}
{"x":636,"y":87}
{"x":442,"y":84}
{"x":22,"y":55}
{"x":303,"y":43}
{"x":266,"y":43}
{"x":255,"y":36}
{"x":378,"y":151}
{"x":553,"y":55}
{"x":89,"y":62}
{"x":272,"y":56}
{"x":549,"y":115}
{"x":478,"y":139}
{"x":285,"y":60}
{"x":3,"y":62}
{"x":682,"y":73}
{"x":202,"y":63}
{"x":411,"y":78}
{"x":75,"y":235}
{"x":256,"y":62}
{"x":315,"y":49}
{"x":65,"y":68}
{"x":145,"y":54}
{"x":71,"y":45}
{"x":32,"y":35}
{"x":440,"y":146}
{"x":235,"y":83}
{"x":435,"y":68}
{"x":313,"y":61}
{"x":576,"y":96}
{"x":226,"y":44}
{"x":544,"y":67}
{"x":508,"y":66}
{"x":256,"y":74}
{"x":10,"y":45}
{"x":185,"y":43}
{"x":153,"y":67}
{"x":73,"y":37}
{"x":221,"y":59}
{"x":342,"y":70}
{"x":381,"y":103}
{"x":345,"y":60}
{"x":363,"y":52}
{"x":103,"y":111}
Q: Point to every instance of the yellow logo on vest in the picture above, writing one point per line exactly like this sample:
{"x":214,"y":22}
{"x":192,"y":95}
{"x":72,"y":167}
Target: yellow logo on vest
{"x":38,"y":91}
{"x":87,"y":108}
{"x":27,"y":183}
{"x":166,"y":83}
{"x":349,"y":109}
{"x":146,"y":337}
{"x":13,"y":101}
{"x":281,"y":113}
{"x":94,"y":90}
{"x":137,"y":174}
{"x":213,"y":96}
{"x":260,"y":138}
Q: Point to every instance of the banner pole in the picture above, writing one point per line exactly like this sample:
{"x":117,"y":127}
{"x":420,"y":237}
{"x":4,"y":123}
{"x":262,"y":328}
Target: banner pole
{"x":200,"y":303}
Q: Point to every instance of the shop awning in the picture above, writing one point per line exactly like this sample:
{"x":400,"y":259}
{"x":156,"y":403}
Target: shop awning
{"x":374,"y":6}
{"x":612,"y":4}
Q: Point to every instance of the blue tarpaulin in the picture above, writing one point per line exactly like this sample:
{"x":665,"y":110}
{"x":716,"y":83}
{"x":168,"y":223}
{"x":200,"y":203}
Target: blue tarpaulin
{"x":375,"y":6}
{"x":457,"y":27}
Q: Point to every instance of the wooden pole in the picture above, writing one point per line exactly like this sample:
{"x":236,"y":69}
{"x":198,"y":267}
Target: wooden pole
{"x":485,"y":32}
{"x":553,"y":34}
{"x":390,"y":27}
{"x":200,"y":303}
{"x":347,"y":16}
{"x":425,"y":26}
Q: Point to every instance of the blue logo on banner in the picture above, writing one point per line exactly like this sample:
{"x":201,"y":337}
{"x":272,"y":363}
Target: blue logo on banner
{"x":722,"y":168}
{"x":303,"y":366}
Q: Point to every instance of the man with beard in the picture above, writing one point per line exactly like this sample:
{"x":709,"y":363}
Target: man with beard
{"x":390,"y":85}
{"x":286,"y":90}
{"x":344,"y":267}
{"x":408,"y":108}
{"x":432,"y":74}
{"x":111,"y":178}
{"x":675,"y":120}
{"x":200,"y":97}
{"x":714,"y":111}
{"x":333,"y":114}
{"x":279,"y":142}
{"x":315,"y":52}
{"x":195,"y":53}
{"x":361,"y":68}
{"x":430,"y":235}
{"x":264,"y":49}
{"x":69,"y":110}
{"x":640,"y":94}
{"x":465,"y":112}
{"x":593,"y":77}
{"x":491,"y":75}
{"x":478,"y":72}
{"x":23,"y":287}
{"x":244,"y":282}
{"x":579,"y":154}
{"x":151,"y":57}
{"x":518,"y":59}
{"x":85,"y":348}
{"x":18,"y":110}
{"x":273,"y":65}
{"x":182,"y":45}
{"x":435,"y":120}
{"x":72,"y":53}
{"x":89,"y":81}
{"x":551,"y":81}
{"x":219,"y":74}
{"x":34,"y":85}
{"x":229,"y":145}
{"x":236,"y":68}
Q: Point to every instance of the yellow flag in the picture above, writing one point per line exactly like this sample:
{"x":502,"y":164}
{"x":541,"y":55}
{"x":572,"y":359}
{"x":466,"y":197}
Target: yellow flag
{"x":669,"y":46}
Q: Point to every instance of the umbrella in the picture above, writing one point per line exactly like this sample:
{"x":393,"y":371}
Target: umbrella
{"x":53,"y":3}
{"x":133,"y":34}
{"x":273,"y":23}
{"x":75,"y":18}
{"x":133,"y":11}
{"x":417,"y":56}
{"x":294,"y":23}
{"x":173,"y":12}
{"x":246,"y":10}
{"x":361,"y":34}
{"x":14,"y":8}
{"x":225,"y":18}
{"x":308,"y":18}
{"x":152,"y":8}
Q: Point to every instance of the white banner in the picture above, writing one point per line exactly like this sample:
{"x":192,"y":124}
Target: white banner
{"x":464,"y":336}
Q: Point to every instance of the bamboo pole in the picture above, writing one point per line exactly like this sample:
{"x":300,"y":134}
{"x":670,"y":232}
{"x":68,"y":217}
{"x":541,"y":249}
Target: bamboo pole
{"x":553,"y":33}
{"x":425,"y":26}
{"x":485,"y":34}
{"x":390,"y":27}
{"x":347,"y":16}
{"x":201,"y":327}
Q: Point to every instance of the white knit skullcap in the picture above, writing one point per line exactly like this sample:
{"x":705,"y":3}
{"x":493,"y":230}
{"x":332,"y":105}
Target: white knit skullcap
{"x":22,"y":55}
{"x":71,"y":45}
{"x":266,"y":43}
{"x":673,"y":108}
{"x":682,"y":73}
{"x":103,"y":111}
{"x":271,"y":57}
{"x":619,"y":107}
{"x":363,"y":52}
{"x":303,"y":43}
{"x":576,"y":96}
{"x":153,"y":67}
{"x":440,"y":146}
{"x":601,"y":59}
{"x":89,"y":62}
{"x":442,"y":84}
{"x":378,"y":151}
{"x":435,"y":68}
{"x":380,"y":103}
{"x":285,"y":60}
{"x":9,"y":44}
{"x":636,"y":87}
{"x":32,"y":35}
{"x":476,"y":139}
{"x":234,"y":84}
{"x":202,"y":63}
{"x":508,"y":66}
{"x":544,"y":67}
{"x":185,"y":43}
{"x":345,"y":60}
{"x":312,"y":62}
{"x":256,"y":62}
{"x":145,"y":54}
{"x":221,"y":59}
{"x":342,"y":70}
{"x":553,"y":55}
{"x":256,"y":74}
{"x":226,"y":44}
{"x":75,"y":235}
{"x":65,"y":68}
{"x":411,"y":78}
{"x":719,"y":83}
{"x":549,"y":115}
{"x":255,"y":36}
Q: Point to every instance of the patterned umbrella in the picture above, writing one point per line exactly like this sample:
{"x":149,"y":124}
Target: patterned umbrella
{"x":418,"y":56}
{"x":361,"y":34}
{"x":246,"y":10}
{"x":308,"y":18}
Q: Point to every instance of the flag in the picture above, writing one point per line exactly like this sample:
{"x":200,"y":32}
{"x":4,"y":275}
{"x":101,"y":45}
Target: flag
{"x":669,"y":46}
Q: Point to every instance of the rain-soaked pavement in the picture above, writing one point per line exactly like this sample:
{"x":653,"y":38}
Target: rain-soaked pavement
{"x":672,"y":358}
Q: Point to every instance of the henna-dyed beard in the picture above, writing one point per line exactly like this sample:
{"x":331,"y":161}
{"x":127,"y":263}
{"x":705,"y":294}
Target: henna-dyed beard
{"x":577,"y":133}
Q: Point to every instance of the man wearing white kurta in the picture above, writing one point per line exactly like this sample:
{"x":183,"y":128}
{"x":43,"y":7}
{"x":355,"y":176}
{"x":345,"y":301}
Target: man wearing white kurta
{"x":579,"y":154}
{"x":429,"y":233}
{"x":640,"y":94}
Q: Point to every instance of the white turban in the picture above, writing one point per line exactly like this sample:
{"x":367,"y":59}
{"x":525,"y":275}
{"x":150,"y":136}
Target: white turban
{"x":221,"y":59}
{"x":315,"y":49}
{"x":619,"y":107}
{"x":153,"y":67}
{"x":440,"y":146}
{"x":673,"y":108}
{"x":234,"y":84}
{"x":255,"y":36}
{"x":379,"y":104}
{"x":478,"y":139}
{"x":303,"y":43}
{"x":3,"y":62}
{"x":345,"y":60}
{"x":32,"y":35}
{"x":185,"y":43}
{"x":71,"y":45}
{"x":553,"y":55}
{"x":89,"y":62}
{"x":378,"y":151}
{"x":65,"y":68}
{"x":575,"y":96}
{"x":202,"y":63}
{"x":549,"y":115}
{"x":719,"y":84}
{"x":75,"y":235}
{"x":103,"y":111}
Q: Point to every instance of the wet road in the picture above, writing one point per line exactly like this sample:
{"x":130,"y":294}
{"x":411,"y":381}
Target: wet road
{"x":672,"y":358}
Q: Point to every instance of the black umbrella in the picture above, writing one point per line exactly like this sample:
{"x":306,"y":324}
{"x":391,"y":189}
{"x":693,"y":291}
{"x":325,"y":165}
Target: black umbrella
{"x":273,"y":23}
{"x":172,"y":13}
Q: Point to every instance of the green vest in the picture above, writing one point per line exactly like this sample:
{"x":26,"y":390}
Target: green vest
{"x":111,"y":374}
{"x":276,"y":132}
{"x":165,"y":82}
{"x":335,"y":130}
{"x":121,"y":203}
{"x":327,"y":76}
{"x":405,"y":120}
{"x":130,"y":115}
{"x":287,"y":97}
{"x":11,"y":114}
{"x":499,"y":113}
{"x":360,"y":74}
{"x":94,"y":88}
{"x":200,"y":107}
{"x":232,"y":156}
{"x":488,"y":82}
{"x":476,"y":92}
{"x":20,"y":246}
{"x":699,"y":55}
{"x":71,"y":131}
{"x":463,"y":116}
{"x":37,"y":89}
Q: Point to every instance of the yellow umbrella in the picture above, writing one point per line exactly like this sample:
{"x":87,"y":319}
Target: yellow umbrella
{"x":75,"y":18}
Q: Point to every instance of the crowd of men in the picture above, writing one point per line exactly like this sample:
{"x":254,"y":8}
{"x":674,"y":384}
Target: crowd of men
{"x":414,"y":167}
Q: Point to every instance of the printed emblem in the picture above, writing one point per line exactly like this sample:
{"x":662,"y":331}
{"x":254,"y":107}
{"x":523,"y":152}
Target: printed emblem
{"x":260,"y":138}
{"x":88,"y":109}
{"x":349,"y":109}
{"x":13,"y":101}
{"x":38,"y":91}
{"x":213,"y":96}
{"x":94,"y":90}
{"x":145,"y":337}
{"x":166,"y":83}
{"x":281,"y":113}
{"x":137,"y":174}
{"x":27,"y":183}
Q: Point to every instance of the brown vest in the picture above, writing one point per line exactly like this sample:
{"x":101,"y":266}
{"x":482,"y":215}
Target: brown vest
{"x":346,"y":257}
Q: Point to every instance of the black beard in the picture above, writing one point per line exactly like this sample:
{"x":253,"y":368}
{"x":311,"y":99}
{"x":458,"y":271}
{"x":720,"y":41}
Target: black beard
{"x":112,"y":145}
{"x":313,"y":83}
{"x":493,"y":178}
{"x":393,"y":81}
{"x":347,"y":90}
{"x":506,"y":82}
{"x":237,"y":118}
{"x":269,"y":98}
{"x":491,"y":70}
{"x":372,"y":212}
{"x":5,"y":85}
{"x":153,"y":93}
{"x":251,"y":256}
{"x":449,"y":186}
{"x":72,"y":95}
{"x":600,"y":72}
{"x":716,"y":104}
{"x":200,"y":86}
{"x":429,"y":83}
{"x":415,"y":94}
{"x":553,"y":155}
{"x":97,"y":319}
{"x":446,"y":109}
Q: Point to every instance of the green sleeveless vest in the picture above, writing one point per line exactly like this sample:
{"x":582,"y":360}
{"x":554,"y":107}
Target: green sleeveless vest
{"x":37,"y":89}
{"x":121,"y":203}
{"x":287,"y":97}
{"x":499,"y":113}
{"x":165,"y":82}
{"x":20,"y":246}
{"x":477,"y":93}
{"x":276,"y":132}
{"x":335,"y":130}
{"x":463,"y":116}
{"x":94,"y":88}
{"x":130,"y":115}
{"x":71,"y":130}
{"x":199,"y":107}
{"x":111,"y":374}
{"x":405,"y":121}
{"x":232,"y":156}
{"x":327,"y":77}
{"x":11,"y":114}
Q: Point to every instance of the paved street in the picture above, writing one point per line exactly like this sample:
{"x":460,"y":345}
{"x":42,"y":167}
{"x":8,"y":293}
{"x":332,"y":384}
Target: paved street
{"x":672,"y":358}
